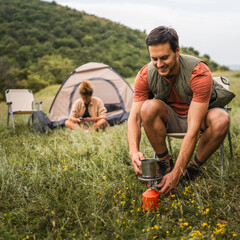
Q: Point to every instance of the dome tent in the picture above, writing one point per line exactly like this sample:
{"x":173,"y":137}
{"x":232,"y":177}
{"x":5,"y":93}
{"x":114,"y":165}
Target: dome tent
{"x":108,"y":85}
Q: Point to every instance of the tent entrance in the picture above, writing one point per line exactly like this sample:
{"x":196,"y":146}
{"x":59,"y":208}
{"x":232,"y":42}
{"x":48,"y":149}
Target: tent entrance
{"x":102,"y":87}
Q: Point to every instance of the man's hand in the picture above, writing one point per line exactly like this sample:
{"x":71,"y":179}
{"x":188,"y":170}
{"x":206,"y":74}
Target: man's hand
{"x":73,"y":119}
{"x":88,"y":119}
{"x":136,"y":161}
{"x":169,"y":183}
{"x":92,"y":119}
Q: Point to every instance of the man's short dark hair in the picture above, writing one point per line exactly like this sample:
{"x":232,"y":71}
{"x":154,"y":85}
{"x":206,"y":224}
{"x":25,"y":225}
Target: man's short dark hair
{"x":161,"y":35}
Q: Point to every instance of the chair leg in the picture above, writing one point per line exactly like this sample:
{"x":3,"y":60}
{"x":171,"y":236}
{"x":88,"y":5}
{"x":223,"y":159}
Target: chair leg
{"x":222,"y":154}
{"x":13,"y":122}
{"x":170,"y":147}
{"x":8,"y":119}
{"x":230,"y":144}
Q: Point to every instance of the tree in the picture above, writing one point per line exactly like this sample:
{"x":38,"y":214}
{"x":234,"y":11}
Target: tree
{"x":87,"y":41}
{"x":9,"y":77}
{"x":52,"y":69}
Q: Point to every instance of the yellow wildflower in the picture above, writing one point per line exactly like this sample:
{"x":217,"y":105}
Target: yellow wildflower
{"x":206,"y":210}
{"x":196,"y":233}
{"x":156,"y":227}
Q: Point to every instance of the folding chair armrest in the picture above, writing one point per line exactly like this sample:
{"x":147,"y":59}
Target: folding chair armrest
{"x":228,"y":108}
{"x":39,"y":105}
{"x":9,"y":107}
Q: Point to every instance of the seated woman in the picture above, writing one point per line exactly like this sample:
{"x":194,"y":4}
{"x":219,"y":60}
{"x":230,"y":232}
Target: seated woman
{"x":87,"y":111}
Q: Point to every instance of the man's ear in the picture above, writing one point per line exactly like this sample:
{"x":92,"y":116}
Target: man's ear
{"x":178,"y":51}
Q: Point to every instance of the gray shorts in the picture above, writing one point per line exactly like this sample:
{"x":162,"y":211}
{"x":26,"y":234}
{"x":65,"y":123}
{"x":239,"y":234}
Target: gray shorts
{"x":176,"y":123}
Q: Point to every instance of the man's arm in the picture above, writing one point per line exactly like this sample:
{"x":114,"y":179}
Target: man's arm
{"x":134,"y":135}
{"x":196,"y":116}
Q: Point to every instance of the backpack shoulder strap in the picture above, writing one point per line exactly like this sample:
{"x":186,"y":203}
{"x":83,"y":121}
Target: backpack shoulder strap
{"x":30,"y":120}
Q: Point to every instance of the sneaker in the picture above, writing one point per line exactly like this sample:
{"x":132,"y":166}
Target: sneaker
{"x":191,"y":172}
{"x":165,"y":166}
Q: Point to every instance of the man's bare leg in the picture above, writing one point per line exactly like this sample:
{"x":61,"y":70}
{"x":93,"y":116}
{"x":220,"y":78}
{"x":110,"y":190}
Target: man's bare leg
{"x":70,"y":124}
{"x":154,"y":116}
{"x":215,"y":129}
{"x":102,"y":123}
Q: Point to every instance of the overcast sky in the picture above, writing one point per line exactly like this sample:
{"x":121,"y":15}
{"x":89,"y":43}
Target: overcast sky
{"x":210,"y":26}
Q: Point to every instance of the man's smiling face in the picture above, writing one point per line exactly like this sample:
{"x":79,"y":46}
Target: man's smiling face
{"x":165,"y":59}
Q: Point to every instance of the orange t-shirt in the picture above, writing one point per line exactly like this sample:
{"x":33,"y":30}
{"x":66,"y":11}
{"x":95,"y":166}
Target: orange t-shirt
{"x":200,"y":82}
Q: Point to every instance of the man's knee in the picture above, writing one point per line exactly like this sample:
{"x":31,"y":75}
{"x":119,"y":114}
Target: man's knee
{"x":153,"y":108}
{"x":102,"y":123}
{"x":67,"y":123}
{"x":70,"y":124}
{"x":220,"y":122}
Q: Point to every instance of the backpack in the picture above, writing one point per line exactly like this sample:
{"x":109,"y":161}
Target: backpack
{"x":39,"y":122}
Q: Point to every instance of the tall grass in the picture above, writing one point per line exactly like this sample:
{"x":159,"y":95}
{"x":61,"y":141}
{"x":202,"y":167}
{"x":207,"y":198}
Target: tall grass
{"x":76,"y":185}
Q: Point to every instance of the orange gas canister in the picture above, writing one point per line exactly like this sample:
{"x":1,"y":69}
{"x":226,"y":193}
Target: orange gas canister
{"x":150,"y":199}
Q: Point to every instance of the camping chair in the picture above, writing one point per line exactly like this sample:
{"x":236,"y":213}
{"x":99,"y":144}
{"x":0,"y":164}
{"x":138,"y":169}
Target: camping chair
{"x":225,"y":83}
{"x":20,"y":101}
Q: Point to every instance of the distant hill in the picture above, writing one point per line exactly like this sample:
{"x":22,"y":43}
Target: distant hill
{"x":42,"y":42}
{"x":234,"y":67}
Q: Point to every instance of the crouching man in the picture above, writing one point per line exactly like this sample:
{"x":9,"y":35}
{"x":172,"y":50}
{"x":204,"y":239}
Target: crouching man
{"x":176,"y":93}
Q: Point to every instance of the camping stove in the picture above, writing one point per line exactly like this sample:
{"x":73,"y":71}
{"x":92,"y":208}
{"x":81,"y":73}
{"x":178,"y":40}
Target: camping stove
{"x":150,"y":174}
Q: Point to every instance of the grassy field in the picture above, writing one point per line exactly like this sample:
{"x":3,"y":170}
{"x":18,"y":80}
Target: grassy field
{"x":76,"y":185}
